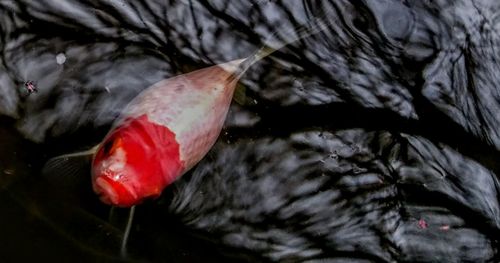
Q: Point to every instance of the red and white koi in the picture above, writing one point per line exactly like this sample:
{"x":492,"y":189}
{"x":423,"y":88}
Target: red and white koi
{"x":162,"y":133}
{"x":167,"y":129}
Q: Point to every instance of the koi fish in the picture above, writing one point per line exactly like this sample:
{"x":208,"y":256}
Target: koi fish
{"x":162,"y":134}
{"x":165,"y":131}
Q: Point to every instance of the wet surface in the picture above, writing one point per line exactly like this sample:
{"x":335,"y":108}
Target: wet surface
{"x":374,"y":140}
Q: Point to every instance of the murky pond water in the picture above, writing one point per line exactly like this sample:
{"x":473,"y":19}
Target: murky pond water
{"x":375,"y":139}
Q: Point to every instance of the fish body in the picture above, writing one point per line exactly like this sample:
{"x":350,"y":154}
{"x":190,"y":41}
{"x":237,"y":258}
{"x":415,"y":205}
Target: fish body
{"x":163,"y":133}
{"x":167,"y":129}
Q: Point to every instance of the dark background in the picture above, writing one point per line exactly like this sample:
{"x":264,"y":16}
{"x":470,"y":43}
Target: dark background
{"x":374,"y":140}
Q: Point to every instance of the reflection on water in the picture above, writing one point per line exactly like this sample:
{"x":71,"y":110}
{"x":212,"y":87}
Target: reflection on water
{"x":374,"y":140}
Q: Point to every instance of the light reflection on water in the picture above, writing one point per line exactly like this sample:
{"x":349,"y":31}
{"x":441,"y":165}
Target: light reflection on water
{"x":374,"y":140}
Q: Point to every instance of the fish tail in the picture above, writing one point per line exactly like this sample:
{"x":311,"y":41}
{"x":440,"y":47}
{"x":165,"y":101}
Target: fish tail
{"x":312,"y":27}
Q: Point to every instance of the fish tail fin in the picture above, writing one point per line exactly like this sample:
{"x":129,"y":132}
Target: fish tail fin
{"x":310,"y":28}
{"x":69,"y":170}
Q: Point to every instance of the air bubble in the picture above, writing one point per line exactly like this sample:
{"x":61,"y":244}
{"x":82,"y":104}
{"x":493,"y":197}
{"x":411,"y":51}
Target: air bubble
{"x":60,"y":58}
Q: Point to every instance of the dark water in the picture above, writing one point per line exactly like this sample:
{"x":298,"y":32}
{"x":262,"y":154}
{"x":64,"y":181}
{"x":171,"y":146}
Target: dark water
{"x":376,"y":140}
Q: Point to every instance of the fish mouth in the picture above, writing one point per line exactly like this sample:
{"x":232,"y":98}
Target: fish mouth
{"x":114,"y":193}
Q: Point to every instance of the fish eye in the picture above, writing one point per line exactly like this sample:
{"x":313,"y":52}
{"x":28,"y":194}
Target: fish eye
{"x":108,"y":145}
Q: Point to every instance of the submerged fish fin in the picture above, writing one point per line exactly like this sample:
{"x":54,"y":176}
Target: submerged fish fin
{"x":68,"y":171}
{"x":240,"y":94}
{"x":126,"y":232}
{"x":117,"y":218}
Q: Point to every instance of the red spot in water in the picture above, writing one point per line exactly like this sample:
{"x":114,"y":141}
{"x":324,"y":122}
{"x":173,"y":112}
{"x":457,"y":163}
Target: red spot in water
{"x":152,"y":162}
{"x":422,"y":224}
{"x":30,"y":86}
{"x":444,"y":227}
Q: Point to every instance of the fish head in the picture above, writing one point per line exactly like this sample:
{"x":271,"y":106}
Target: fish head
{"x":135,"y":162}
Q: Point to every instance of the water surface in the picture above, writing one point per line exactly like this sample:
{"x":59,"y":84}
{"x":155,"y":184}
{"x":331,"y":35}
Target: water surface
{"x":375,"y":140}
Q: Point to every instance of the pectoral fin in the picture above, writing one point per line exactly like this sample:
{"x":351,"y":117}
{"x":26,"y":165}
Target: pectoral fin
{"x":240,"y":95}
{"x":69,"y":171}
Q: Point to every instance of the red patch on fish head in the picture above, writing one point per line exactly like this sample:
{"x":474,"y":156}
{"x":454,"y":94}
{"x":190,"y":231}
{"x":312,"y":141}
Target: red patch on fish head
{"x":136,"y":161}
